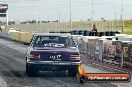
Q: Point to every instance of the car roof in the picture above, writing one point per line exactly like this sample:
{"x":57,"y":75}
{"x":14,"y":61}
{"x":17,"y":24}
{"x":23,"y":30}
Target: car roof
{"x":52,"y":34}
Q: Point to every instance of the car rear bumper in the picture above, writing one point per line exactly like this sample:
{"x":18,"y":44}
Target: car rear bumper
{"x":42,"y":66}
{"x":53,"y":63}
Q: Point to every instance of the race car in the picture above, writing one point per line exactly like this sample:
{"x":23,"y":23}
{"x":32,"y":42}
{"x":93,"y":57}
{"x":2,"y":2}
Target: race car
{"x":52,"y":52}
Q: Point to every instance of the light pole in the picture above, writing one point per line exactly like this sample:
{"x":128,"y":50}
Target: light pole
{"x":70,"y":15}
{"x":59,"y":16}
{"x":92,"y":14}
{"x":122,"y":9}
{"x":116,"y":21}
{"x":59,"y":21}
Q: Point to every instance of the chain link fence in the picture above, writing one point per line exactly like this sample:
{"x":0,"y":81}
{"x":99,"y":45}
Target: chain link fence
{"x":102,"y":26}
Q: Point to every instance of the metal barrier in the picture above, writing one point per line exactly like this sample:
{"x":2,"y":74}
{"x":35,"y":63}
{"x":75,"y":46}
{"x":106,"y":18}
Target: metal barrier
{"x":106,"y":49}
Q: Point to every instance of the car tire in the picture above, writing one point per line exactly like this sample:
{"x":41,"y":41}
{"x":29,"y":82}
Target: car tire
{"x":72,"y":71}
{"x":26,"y":68}
{"x":31,"y":70}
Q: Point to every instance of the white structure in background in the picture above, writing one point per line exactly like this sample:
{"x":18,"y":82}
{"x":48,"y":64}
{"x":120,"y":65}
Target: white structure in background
{"x":4,"y":12}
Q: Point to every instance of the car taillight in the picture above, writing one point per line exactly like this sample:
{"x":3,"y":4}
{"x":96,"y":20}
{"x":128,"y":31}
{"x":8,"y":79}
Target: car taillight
{"x":75,"y":57}
{"x":34,"y":56}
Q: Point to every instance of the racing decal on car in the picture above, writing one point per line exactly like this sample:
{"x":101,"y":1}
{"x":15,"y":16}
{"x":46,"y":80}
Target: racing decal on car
{"x":55,"y":57}
{"x":53,"y":45}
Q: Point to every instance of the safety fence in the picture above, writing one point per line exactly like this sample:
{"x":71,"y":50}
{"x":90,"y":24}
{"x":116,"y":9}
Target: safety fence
{"x":102,"y":26}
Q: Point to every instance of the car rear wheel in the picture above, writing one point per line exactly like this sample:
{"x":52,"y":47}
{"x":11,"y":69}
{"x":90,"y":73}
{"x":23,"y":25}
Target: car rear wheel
{"x":26,"y":67}
{"x":73,"y":71}
{"x":31,"y":70}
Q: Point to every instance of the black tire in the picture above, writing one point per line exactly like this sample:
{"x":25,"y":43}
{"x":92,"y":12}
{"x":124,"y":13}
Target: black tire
{"x":31,"y":70}
{"x":26,"y":68}
{"x":73,"y":71}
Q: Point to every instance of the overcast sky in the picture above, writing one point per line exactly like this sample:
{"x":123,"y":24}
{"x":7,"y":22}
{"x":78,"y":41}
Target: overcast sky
{"x":53,"y":9}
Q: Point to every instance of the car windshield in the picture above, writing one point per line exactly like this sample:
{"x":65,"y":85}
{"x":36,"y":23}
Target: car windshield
{"x":53,"y":41}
